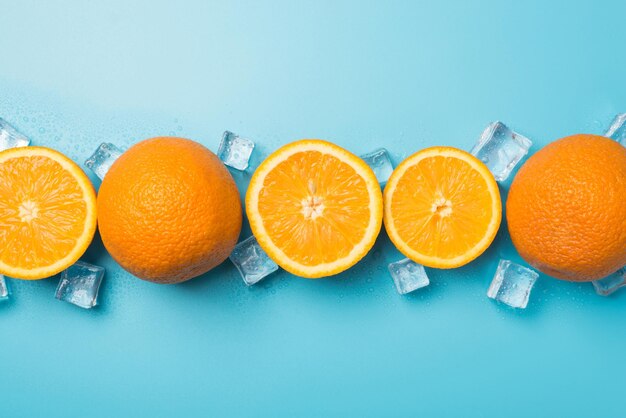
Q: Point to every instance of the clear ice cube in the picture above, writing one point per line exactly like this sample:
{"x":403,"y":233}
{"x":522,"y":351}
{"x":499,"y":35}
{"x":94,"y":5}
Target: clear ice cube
{"x":251,"y":261}
{"x":235,"y":151}
{"x":10,"y":137}
{"x":512,"y":284}
{"x":501,"y":149}
{"x":408,"y":276}
{"x":4,"y":289}
{"x":610,"y":284}
{"x":380,"y":163}
{"x":103,"y":158}
{"x":80,"y":284}
{"x":617,"y":130}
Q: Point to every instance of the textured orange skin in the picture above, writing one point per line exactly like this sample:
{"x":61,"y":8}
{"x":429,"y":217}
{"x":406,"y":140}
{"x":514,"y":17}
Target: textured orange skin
{"x":169,"y":210}
{"x":566,"y":209}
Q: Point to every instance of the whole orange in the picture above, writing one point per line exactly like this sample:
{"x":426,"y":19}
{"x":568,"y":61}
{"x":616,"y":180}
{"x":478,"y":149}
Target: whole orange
{"x":169,"y":210}
{"x":566,"y":209}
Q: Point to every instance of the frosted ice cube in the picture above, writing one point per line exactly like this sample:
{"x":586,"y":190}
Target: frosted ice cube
{"x":80,"y":284}
{"x":380,"y":163}
{"x":501,"y":149}
{"x":103,"y":158}
{"x":251,"y":261}
{"x":617,"y":130}
{"x":610,"y":284}
{"x":512,"y":284}
{"x":4,"y":289}
{"x":235,"y":151}
{"x":10,"y":137}
{"x":408,"y":275}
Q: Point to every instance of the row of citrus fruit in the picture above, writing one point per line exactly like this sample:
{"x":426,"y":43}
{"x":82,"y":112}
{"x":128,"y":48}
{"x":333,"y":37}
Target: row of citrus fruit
{"x":168,"y":210}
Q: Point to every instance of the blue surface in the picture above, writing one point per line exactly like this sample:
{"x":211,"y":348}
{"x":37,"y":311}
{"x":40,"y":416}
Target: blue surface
{"x":405,"y":75}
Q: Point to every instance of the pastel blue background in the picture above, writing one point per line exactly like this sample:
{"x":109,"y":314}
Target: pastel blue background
{"x":405,"y":75}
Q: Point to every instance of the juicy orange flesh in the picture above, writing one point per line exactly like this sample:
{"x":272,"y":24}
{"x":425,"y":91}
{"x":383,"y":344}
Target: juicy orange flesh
{"x":42,"y":212}
{"x":314,"y":207}
{"x":442,"y":207}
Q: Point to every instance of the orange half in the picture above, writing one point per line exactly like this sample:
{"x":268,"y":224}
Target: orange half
{"x":315,"y":208}
{"x":442,"y":207}
{"x":47,"y":212}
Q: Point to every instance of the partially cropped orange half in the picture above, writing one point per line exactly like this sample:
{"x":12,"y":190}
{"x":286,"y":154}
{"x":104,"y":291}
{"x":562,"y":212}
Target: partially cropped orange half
{"x":442,"y":207}
{"x":315,"y":208}
{"x":47,"y":212}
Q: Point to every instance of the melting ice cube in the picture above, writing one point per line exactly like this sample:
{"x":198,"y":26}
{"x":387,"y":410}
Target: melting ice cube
{"x":610,"y":284}
{"x":80,"y":284}
{"x":4,"y":289}
{"x":251,"y":261}
{"x":408,"y":275}
{"x":512,"y":284}
{"x":617,"y":130}
{"x":10,"y":137}
{"x":380,"y":163}
{"x":501,"y":149}
{"x":235,"y":151}
{"x":103,"y":158}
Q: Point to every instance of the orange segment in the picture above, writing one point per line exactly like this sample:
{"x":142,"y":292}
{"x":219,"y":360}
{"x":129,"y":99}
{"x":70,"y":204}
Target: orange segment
{"x":442,"y":207}
{"x":47,"y":212}
{"x":315,"y":208}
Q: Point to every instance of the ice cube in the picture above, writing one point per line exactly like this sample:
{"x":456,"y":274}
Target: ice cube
{"x":4,"y":289}
{"x":617,"y":130}
{"x":512,"y":284}
{"x":251,"y":261}
{"x":235,"y":151}
{"x":408,"y":275}
{"x":10,"y":137}
{"x":610,"y":284}
{"x":380,"y":163}
{"x":80,"y":284}
{"x":103,"y":158}
{"x":501,"y":149}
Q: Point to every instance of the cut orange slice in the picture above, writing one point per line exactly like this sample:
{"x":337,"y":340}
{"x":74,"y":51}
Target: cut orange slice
{"x":315,"y":208}
{"x":47,"y":212}
{"x":442,"y":207}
